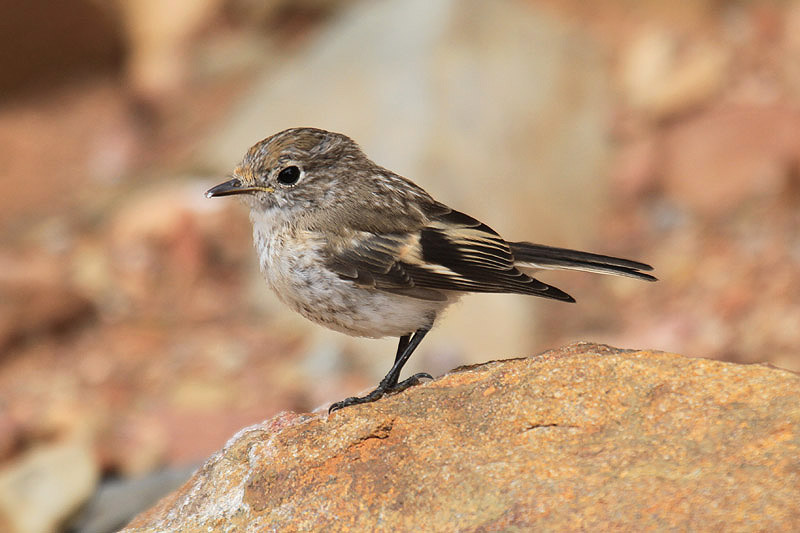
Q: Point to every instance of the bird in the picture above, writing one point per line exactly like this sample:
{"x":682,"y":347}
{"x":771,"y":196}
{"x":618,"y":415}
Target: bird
{"x":364,"y":251}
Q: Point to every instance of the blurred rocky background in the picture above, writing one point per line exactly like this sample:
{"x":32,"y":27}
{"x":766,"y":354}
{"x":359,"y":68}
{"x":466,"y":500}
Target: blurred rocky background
{"x":136,"y":335}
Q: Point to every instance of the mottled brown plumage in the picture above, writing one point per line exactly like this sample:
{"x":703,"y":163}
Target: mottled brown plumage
{"x":359,"y":249}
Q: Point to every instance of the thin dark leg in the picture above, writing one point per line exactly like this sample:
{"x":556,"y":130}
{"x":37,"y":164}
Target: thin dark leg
{"x":389,"y":383}
{"x":401,"y":346}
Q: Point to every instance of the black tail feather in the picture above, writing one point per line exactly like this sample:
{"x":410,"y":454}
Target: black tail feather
{"x":531,"y":255}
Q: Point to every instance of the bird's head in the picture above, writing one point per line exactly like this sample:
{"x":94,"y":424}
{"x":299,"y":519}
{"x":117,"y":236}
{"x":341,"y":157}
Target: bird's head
{"x":300,"y":169}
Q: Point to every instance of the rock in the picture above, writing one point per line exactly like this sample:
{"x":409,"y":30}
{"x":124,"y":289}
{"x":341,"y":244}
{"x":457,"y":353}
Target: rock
{"x":83,"y":156}
{"x":41,"y":490}
{"x":81,"y":37}
{"x":156,"y":213}
{"x":136,"y":445}
{"x":162,"y":239}
{"x":662,"y":76}
{"x":160,"y":38}
{"x":28,"y":310}
{"x":587,"y":437}
{"x":117,"y":501}
{"x":731,"y":155}
{"x":792,"y":35}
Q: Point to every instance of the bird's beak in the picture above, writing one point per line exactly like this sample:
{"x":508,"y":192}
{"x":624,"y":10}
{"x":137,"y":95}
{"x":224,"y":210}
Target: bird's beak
{"x":234,"y":186}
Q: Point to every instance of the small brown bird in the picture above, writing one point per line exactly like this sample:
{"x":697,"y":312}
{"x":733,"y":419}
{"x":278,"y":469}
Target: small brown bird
{"x":361,"y":250}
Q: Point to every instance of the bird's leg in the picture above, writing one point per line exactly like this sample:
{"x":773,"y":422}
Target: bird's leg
{"x":405,"y":347}
{"x":389,"y":383}
{"x":401,"y":346}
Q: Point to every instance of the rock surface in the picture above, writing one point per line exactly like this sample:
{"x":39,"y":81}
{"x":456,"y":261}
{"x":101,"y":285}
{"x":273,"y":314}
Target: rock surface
{"x":39,"y":491}
{"x":586,"y":437}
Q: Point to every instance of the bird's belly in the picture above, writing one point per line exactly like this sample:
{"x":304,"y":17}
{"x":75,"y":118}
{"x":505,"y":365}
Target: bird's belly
{"x":298,"y":276}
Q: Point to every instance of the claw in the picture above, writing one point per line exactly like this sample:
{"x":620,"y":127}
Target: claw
{"x":380,"y":392}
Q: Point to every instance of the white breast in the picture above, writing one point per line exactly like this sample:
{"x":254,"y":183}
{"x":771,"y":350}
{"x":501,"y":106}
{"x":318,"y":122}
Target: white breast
{"x":292,"y":263}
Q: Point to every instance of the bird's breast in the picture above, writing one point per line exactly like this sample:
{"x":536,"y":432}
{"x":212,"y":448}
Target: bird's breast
{"x":293,"y":262}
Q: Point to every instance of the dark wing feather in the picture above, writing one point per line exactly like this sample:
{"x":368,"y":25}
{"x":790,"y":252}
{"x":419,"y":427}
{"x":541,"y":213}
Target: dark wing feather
{"x":370,"y":260}
{"x":452,"y":252}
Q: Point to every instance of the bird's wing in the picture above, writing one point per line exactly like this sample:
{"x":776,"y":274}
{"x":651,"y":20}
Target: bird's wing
{"x":451,"y":252}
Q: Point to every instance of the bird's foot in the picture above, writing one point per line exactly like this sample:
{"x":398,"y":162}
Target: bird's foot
{"x":382,"y":390}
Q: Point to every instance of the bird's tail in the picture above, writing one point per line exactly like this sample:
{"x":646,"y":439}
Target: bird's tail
{"x":538,"y":256}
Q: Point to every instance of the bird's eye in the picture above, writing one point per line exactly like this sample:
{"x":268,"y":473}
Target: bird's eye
{"x":289,"y":175}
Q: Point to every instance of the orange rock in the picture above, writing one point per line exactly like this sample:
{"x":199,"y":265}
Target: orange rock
{"x":586,"y":437}
{"x":28,"y":310}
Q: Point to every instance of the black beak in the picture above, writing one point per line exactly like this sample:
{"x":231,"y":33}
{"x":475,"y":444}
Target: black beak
{"x":233,"y":186}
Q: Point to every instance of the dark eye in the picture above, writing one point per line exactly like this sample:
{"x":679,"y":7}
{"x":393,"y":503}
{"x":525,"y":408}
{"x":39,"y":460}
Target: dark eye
{"x":289,"y":175}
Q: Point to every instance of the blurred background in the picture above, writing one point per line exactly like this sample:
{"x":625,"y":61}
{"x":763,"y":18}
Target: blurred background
{"x":136,"y":334}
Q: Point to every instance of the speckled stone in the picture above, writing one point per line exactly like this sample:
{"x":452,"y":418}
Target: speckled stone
{"x":586,"y":437}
